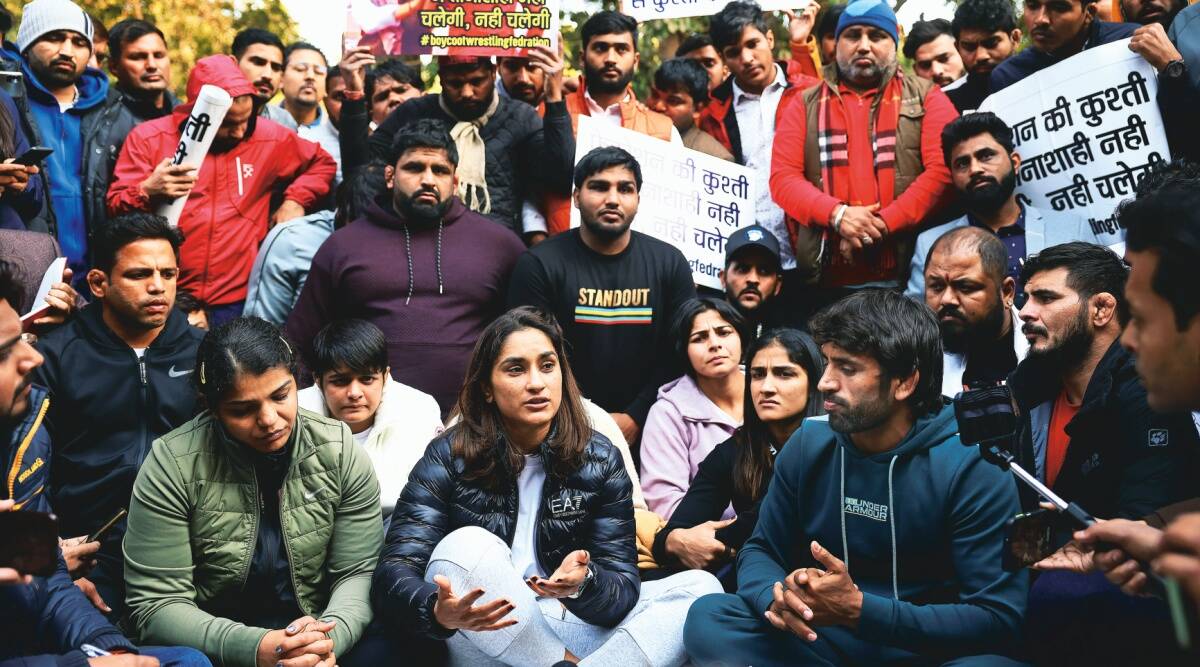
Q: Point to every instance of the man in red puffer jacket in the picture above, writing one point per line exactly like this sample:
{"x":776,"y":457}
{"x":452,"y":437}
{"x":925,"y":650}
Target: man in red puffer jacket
{"x":229,"y":198}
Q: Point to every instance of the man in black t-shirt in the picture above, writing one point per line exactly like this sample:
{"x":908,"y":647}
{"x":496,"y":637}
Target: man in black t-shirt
{"x":966,"y":287}
{"x":614,"y":291}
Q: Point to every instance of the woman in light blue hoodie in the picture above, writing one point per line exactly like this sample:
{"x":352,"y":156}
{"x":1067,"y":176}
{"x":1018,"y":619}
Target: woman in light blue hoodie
{"x":697,"y":411}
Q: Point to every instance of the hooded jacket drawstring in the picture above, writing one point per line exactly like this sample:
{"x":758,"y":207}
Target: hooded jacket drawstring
{"x":891,"y":521}
{"x":437,"y":257}
{"x":437,"y":260}
{"x":845,"y":544}
{"x":408,"y":254}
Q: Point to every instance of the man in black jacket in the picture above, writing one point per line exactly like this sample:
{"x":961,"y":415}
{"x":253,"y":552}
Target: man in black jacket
{"x":1088,"y":432}
{"x":1086,"y":428}
{"x":118,"y":375}
{"x":505,"y":156}
{"x":142,"y":66}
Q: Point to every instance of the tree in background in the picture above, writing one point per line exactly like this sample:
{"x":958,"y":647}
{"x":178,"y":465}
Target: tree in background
{"x":194,"y":28}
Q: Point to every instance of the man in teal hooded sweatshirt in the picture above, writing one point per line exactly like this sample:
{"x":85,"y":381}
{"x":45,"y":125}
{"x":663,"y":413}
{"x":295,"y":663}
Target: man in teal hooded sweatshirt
{"x":879,"y":541}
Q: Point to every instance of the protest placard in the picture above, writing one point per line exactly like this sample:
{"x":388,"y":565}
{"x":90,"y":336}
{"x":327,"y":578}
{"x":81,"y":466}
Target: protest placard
{"x":689,"y":199}
{"x":452,"y":27}
{"x":1087,"y":130}
{"x":645,"y":10}
{"x":198,"y":133}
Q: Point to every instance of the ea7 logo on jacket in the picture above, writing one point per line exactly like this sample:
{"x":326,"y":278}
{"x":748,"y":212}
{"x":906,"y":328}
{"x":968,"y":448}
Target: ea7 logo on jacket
{"x":865,"y":508}
{"x":567,"y":506}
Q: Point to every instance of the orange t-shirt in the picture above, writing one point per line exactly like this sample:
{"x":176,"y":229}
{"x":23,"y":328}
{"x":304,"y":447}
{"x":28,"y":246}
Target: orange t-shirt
{"x":1057,"y":440}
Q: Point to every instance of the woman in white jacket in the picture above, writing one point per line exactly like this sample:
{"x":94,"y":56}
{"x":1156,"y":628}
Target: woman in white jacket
{"x":392,"y":421}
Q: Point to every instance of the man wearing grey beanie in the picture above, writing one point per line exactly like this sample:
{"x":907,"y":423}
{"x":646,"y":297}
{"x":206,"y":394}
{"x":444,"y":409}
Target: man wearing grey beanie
{"x":65,"y":98}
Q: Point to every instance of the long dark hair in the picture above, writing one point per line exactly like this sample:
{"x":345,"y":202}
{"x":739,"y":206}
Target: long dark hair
{"x":479,"y":436}
{"x":753,"y":464}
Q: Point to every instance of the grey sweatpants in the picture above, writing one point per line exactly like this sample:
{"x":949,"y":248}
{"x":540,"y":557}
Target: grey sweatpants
{"x":651,"y":634}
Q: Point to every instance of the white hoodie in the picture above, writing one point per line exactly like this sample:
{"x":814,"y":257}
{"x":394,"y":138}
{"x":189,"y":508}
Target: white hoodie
{"x":406,"y":421}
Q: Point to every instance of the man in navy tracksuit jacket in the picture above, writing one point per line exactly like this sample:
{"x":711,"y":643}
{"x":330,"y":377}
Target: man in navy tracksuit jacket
{"x":46,"y":622}
{"x":879,"y":520}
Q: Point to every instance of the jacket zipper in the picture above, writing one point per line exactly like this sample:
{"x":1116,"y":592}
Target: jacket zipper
{"x":262,"y":506}
{"x":143,"y":439}
{"x":287,"y":547}
{"x":203,"y":291}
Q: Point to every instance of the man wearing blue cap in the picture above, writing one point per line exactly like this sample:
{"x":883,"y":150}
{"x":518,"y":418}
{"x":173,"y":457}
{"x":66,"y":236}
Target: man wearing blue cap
{"x":857,"y":162}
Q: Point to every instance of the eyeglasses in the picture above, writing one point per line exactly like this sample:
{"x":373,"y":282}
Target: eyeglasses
{"x":302,"y":68}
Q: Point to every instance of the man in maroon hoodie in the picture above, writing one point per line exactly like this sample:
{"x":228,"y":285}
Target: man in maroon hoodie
{"x":229,"y":198}
{"x":419,"y":265}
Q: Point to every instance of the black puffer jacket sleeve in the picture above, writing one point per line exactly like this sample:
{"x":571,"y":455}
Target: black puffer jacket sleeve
{"x":613,"y":544}
{"x":421,"y":519}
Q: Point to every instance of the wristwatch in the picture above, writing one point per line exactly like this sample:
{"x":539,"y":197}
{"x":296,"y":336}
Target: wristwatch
{"x":587,"y":579}
{"x":1175,"y":69}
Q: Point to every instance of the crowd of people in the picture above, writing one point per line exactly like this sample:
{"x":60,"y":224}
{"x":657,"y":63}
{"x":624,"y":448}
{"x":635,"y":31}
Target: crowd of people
{"x":372,"y":399}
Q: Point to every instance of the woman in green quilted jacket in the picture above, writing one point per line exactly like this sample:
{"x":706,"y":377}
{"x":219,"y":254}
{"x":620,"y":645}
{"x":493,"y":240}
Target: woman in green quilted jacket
{"x":255,"y":527}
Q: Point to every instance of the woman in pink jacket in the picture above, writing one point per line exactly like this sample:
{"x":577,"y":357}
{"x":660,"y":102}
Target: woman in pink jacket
{"x":697,"y":411}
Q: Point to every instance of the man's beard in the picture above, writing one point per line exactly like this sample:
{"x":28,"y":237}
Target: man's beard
{"x":754,"y":314}
{"x":865,"y":76}
{"x":868,"y":414}
{"x":55,"y":78}
{"x":415,"y":211}
{"x":960,"y":337}
{"x":605,"y":232}
{"x":595,"y":82}
{"x":1072,"y":347}
{"x":989,"y":197}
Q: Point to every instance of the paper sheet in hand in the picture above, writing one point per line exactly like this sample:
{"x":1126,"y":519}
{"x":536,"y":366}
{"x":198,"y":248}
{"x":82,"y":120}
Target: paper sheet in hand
{"x":199,"y":130}
{"x":53,"y":275}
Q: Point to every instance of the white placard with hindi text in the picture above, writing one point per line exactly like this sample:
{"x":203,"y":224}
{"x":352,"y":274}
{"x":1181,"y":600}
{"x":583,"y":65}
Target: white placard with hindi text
{"x":689,"y":199}
{"x":645,"y":10}
{"x":1087,"y":130}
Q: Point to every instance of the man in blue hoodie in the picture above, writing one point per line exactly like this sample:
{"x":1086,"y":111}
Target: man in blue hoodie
{"x":879,"y":541}
{"x":65,"y":99}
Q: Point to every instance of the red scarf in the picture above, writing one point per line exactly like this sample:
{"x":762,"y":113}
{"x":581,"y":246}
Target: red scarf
{"x":833,"y":147}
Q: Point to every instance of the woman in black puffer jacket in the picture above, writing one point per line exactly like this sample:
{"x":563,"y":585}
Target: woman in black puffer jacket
{"x":514,"y":537}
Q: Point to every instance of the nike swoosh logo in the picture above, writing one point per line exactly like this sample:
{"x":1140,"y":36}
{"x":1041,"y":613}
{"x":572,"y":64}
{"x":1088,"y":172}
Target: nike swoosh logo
{"x":178,"y":374}
{"x":309,"y":495}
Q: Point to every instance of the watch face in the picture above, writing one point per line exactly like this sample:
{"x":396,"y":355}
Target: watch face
{"x":1175,"y":69}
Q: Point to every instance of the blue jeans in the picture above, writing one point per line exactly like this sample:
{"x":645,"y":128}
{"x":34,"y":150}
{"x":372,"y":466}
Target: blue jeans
{"x":176,"y":656}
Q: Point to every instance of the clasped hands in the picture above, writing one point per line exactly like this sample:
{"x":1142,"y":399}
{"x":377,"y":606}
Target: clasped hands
{"x":305,"y":642}
{"x":810,"y":597}
{"x":859,"y":227}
